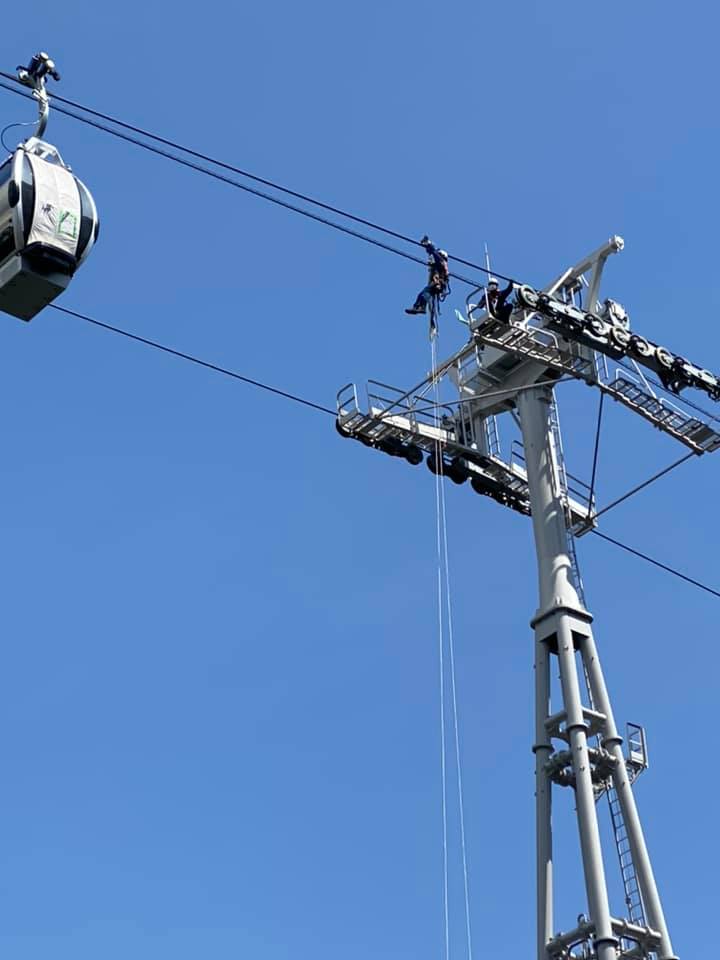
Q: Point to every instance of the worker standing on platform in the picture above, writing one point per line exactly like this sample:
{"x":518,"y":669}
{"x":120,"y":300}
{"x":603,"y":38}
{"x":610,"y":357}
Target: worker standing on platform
{"x":437,"y":286}
{"x":495,"y":300}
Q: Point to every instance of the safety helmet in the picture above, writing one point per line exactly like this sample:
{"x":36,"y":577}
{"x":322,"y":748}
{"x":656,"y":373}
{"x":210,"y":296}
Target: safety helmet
{"x":443,"y":254}
{"x":492,"y":282}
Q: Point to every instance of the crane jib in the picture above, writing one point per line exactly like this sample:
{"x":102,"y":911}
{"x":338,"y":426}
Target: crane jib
{"x":615,"y":340}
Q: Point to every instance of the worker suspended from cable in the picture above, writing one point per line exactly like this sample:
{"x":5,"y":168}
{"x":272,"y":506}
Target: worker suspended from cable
{"x":496,"y":302}
{"x":438,"y":285}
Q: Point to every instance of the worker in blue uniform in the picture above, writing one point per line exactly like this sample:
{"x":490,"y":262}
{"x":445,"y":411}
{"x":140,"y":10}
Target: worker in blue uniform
{"x":438,"y":281}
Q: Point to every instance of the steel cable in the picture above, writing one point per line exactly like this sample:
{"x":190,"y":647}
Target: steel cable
{"x":196,"y":360}
{"x":145,"y":341}
{"x":22,"y":91}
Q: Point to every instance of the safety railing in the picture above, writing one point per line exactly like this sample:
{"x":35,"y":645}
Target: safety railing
{"x":387,"y":401}
{"x":637,"y":753}
{"x":469,"y":365}
{"x":347,"y":401}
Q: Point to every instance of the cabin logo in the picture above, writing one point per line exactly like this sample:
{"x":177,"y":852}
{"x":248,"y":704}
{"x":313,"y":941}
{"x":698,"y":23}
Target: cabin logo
{"x":67,"y":225}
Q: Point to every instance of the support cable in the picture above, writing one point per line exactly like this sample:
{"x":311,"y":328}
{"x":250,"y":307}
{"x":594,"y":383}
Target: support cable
{"x":316,"y":406}
{"x":646,"y":483}
{"x":196,"y":360}
{"x":595,"y":453}
{"x":240,"y":186}
{"x":656,"y":563}
{"x":19,"y":90}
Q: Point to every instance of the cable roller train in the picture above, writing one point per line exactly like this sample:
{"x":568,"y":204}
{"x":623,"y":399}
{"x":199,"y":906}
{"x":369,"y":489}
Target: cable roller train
{"x":48,"y":218}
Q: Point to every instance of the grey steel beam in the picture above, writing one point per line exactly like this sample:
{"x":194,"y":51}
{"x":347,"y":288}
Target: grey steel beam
{"x":554,"y":572}
{"x":599,"y":256}
{"x":612,"y":742}
{"x":558,"y":594}
{"x":593,"y":867}
{"x":543,"y":800}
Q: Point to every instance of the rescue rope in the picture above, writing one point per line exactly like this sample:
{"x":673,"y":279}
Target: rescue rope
{"x":441,"y":648}
{"x":453,"y":686}
{"x":446,"y":601}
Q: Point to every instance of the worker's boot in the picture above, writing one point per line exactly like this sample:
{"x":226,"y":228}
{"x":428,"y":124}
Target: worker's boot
{"x":415,"y":308}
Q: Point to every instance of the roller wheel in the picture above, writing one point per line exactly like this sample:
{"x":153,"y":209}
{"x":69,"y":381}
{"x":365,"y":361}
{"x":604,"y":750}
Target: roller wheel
{"x":413,"y":454}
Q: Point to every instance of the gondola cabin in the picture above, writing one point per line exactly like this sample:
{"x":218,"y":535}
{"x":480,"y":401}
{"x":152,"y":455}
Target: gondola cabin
{"x":48,"y":226}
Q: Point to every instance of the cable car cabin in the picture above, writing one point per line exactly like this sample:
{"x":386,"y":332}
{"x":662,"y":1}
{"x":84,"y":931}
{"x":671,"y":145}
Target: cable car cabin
{"x":48,"y":226}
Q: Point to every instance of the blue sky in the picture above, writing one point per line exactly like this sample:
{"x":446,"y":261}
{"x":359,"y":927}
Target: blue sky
{"x":219,"y":668}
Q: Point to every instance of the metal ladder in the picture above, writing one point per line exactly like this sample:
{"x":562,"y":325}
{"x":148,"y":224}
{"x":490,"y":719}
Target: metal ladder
{"x":492,"y":437}
{"x":631,"y":889}
{"x":633,"y":899}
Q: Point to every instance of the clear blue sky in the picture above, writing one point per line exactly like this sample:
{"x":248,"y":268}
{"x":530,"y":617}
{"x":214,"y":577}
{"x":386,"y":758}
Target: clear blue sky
{"x":218,"y":694}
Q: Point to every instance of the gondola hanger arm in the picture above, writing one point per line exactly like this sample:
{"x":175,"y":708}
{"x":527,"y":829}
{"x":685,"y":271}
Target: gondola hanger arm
{"x":35,"y":75}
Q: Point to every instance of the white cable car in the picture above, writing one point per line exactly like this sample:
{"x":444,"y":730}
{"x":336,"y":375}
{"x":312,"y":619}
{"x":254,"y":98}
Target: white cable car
{"x":48,"y":218}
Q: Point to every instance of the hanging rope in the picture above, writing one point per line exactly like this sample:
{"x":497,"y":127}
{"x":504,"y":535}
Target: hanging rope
{"x":456,"y":731}
{"x":444,"y":584}
{"x":441,"y":654}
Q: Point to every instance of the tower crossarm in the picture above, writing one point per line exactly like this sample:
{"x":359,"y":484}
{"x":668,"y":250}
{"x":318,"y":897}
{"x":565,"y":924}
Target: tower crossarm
{"x":594,"y":262}
{"x":561,"y":356}
{"x":398,"y":425}
{"x":610,"y":334}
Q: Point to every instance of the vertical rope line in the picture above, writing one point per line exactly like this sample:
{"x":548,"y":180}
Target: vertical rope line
{"x":443,"y":759}
{"x":461,"y":800}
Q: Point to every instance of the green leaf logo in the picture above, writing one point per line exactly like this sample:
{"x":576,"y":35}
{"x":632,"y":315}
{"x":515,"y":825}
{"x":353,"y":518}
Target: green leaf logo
{"x":67,"y":225}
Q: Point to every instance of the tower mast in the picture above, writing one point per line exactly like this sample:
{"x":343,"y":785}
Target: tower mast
{"x":513,"y":364}
{"x":563,"y":630}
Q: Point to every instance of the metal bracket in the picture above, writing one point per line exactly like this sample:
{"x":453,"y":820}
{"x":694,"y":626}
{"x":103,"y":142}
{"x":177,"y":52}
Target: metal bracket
{"x":35,"y":76}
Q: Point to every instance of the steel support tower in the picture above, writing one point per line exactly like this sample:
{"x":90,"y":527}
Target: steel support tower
{"x":512,"y":366}
{"x":563,"y":753}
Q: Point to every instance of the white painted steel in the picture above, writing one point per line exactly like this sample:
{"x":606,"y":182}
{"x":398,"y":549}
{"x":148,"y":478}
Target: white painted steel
{"x":543,"y":801}
{"x":562,"y":624}
{"x":557,"y":593}
{"x":626,"y":798}
{"x":554,"y":568}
